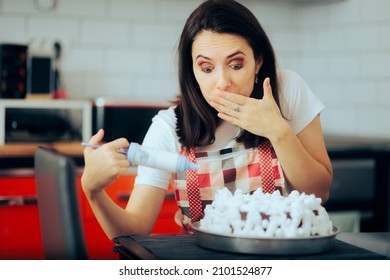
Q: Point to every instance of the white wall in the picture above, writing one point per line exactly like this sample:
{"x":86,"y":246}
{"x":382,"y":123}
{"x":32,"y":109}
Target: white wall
{"x":345,"y":57}
{"x":125,"y":49}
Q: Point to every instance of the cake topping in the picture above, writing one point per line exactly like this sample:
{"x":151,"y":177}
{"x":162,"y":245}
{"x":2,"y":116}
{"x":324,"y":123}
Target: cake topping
{"x":266,"y":215}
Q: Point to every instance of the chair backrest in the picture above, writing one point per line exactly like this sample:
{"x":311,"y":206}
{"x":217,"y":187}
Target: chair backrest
{"x":62,"y":232}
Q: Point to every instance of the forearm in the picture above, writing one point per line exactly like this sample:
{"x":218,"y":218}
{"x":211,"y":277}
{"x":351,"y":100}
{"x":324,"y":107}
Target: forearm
{"x":303,"y":171}
{"x":114,"y":220}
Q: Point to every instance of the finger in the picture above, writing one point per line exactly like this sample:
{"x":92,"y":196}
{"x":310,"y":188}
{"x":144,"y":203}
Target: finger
{"x":231,"y":97}
{"x":95,"y":139}
{"x":225,"y":107}
{"x":267,"y":88}
{"x":120,"y":143}
{"x":125,"y":164}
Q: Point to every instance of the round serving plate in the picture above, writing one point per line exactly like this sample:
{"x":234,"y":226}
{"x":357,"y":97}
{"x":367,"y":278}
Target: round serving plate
{"x":264,"y":246}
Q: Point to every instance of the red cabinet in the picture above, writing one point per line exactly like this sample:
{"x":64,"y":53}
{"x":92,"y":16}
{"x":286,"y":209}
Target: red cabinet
{"x":19,"y":219}
{"x":20,"y":234}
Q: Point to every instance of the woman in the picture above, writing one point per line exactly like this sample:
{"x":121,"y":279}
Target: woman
{"x":246,"y":124}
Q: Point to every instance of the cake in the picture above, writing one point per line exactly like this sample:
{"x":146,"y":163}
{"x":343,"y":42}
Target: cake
{"x":266,"y":215}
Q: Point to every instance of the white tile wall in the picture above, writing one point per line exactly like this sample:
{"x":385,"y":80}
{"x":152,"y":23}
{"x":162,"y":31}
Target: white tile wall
{"x":345,"y":61}
{"x":52,"y":27}
{"x":383,"y":93}
{"x":81,"y":8}
{"x":133,"y":10}
{"x":105,"y":33}
{"x":18,"y":23}
{"x":126,"y":49}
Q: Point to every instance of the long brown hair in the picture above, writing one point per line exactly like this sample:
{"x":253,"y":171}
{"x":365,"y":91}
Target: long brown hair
{"x":196,"y":119}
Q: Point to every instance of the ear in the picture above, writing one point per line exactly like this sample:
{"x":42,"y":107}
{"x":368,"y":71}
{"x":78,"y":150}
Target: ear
{"x":259,"y":63}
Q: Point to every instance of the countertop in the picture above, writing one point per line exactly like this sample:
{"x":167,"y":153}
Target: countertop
{"x":351,"y":143}
{"x":377,"y":242}
{"x":17,"y":156}
{"x":28,"y":149}
{"x":347,"y":246}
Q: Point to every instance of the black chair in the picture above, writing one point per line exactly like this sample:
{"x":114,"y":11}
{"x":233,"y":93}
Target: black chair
{"x":61,"y":228}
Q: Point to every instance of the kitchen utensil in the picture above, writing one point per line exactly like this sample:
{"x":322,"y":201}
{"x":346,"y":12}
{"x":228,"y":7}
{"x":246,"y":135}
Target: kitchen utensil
{"x":264,"y":246}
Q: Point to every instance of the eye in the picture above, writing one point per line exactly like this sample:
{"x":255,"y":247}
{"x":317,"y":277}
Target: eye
{"x":207,"y":68}
{"x":236,"y":66}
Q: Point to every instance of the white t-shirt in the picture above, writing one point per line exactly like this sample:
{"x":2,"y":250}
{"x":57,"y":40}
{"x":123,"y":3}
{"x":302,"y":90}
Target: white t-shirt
{"x":297,"y":102}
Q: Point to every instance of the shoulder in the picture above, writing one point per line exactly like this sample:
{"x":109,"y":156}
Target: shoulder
{"x":292,"y":87}
{"x":165,"y":120}
{"x":289,"y":80}
{"x":162,"y":132}
{"x":298,"y":104}
{"x":166,"y":116}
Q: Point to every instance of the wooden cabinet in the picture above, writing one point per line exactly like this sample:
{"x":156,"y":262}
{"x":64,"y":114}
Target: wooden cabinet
{"x":19,"y":219}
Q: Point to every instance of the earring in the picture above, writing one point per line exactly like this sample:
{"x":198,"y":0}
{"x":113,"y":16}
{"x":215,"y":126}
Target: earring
{"x":256,"y":79}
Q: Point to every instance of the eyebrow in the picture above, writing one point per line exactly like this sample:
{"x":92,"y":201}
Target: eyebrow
{"x":229,"y":56}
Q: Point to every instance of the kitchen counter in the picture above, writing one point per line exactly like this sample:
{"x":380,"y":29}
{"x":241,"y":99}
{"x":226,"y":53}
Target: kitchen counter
{"x":363,"y":246}
{"x":378,"y":242}
{"x":28,"y":149}
{"x":14,"y":156}
{"x":337,"y":142}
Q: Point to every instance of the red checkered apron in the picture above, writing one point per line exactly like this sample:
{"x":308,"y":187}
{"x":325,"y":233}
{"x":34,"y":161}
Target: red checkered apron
{"x":233,"y":168}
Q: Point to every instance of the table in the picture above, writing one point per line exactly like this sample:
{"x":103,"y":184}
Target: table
{"x":348,"y":246}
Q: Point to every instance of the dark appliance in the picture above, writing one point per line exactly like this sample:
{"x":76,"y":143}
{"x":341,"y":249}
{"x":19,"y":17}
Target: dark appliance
{"x":13,"y":69}
{"x":36,"y":125}
{"x":130,"y":120}
{"x":40,"y":78}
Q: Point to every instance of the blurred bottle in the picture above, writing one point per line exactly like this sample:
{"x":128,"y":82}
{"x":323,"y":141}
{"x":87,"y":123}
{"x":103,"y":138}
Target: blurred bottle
{"x":140,"y":155}
{"x":59,"y":91}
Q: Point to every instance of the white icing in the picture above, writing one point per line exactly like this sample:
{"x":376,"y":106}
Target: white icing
{"x":266,"y":215}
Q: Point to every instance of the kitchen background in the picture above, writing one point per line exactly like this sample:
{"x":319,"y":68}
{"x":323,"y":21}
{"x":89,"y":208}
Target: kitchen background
{"x":126,"y":50}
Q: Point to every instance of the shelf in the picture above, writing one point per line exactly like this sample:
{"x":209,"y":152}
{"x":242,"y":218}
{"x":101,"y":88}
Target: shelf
{"x":28,"y":149}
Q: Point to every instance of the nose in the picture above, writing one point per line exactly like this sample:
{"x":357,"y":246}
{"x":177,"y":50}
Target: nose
{"x":223,"y":80}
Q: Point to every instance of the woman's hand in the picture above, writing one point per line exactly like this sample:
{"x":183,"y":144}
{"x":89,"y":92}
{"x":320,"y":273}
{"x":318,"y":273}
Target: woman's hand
{"x":260,"y":117}
{"x":103,"y":165}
